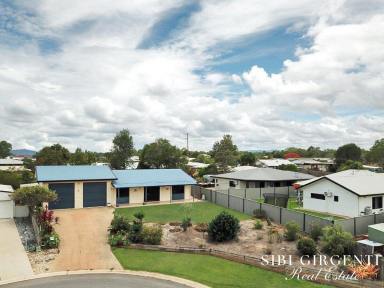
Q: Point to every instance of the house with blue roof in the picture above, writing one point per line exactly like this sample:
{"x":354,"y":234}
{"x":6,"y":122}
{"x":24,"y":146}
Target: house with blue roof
{"x":81,"y":186}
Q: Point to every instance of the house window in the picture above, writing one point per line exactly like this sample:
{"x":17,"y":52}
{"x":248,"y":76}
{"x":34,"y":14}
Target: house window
{"x":232,"y":183}
{"x":336,"y":198}
{"x":377,"y":202}
{"x":318,"y":196}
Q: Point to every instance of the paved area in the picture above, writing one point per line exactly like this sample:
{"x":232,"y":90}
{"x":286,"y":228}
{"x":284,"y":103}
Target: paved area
{"x":84,"y":240}
{"x":95,"y":281}
{"x":13,"y":258}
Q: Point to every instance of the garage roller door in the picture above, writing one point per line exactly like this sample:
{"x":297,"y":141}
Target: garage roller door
{"x":65,"y":195}
{"x":94,"y":194}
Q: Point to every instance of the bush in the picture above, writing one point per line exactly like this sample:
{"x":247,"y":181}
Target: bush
{"x":152,"y":235}
{"x":135,"y":232}
{"x":50,"y":241}
{"x":185,"y":223}
{"x":307,"y":246}
{"x":258,"y":225}
{"x":139,"y":216}
{"x":119,"y":224}
{"x":335,"y":241}
{"x":258,"y":213}
{"x":291,"y":231}
{"x":119,"y":239}
{"x":316,"y":231}
{"x":223,"y":227}
{"x":33,"y":196}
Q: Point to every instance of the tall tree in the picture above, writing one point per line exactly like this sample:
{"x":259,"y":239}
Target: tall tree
{"x":247,"y":158}
{"x":225,"y":153}
{"x":53,"y":155}
{"x":5,"y":149}
{"x":347,"y":152}
{"x":80,"y":157}
{"x":122,"y":150}
{"x":376,"y":153}
{"x":161,"y":154}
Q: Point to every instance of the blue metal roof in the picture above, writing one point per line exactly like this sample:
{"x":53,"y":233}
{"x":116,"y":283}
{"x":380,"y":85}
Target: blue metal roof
{"x":151,"y":177}
{"x":73,"y":173}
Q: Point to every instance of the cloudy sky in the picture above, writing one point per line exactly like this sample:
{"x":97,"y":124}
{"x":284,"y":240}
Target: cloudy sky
{"x":271,"y":73}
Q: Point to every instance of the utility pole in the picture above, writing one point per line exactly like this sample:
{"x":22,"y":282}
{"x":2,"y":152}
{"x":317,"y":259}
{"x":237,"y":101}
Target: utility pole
{"x":187,"y":142}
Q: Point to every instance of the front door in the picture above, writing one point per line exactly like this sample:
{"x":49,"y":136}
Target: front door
{"x":152,"y":194}
{"x":122,"y":195}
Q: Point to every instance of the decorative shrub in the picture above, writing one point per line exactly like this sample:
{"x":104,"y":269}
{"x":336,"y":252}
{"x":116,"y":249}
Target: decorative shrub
{"x":50,"y":241}
{"x":306,"y":246}
{"x":135,"y":232}
{"x":185,"y":223}
{"x":364,"y":271}
{"x":119,"y":224}
{"x":258,"y":213}
{"x":258,"y":225}
{"x":119,"y":239}
{"x":291,"y":231}
{"x":274,"y":236}
{"x":139,"y":216}
{"x":152,"y":235}
{"x":316,"y":231}
{"x":335,"y":241}
{"x":223,"y":227}
{"x":201,"y":227}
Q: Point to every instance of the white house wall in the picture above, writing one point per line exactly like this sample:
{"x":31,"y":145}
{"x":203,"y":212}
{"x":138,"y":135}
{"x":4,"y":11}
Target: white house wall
{"x":367,"y":202}
{"x":348,"y":204}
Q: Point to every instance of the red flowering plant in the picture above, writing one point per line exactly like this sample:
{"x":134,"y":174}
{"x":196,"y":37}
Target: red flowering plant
{"x":45,"y":220}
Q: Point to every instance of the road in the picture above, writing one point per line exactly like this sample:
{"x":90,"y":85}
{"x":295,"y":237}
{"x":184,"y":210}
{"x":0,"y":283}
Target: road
{"x":95,"y":281}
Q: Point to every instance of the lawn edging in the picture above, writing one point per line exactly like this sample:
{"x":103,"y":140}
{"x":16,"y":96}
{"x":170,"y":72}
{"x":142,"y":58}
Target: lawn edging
{"x":159,"y":276}
{"x":256,"y":262}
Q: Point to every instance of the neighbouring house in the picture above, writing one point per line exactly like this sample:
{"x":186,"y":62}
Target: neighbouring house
{"x":272,"y":163}
{"x":313,"y":164}
{"x":11,"y":164}
{"x":92,"y":186}
{"x":258,"y":178}
{"x":349,"y":193}
{"x":7,"y":205}
{"x":242,"y":168}
{"x":196,"y":165}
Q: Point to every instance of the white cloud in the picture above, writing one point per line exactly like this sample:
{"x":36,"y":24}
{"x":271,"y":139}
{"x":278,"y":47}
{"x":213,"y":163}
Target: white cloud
{"x":99,"y":82}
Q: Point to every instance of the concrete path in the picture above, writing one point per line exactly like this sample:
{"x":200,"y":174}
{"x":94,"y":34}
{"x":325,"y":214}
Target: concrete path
{"x":14,"y":261}
{"x":84,"y":240}
{"x":96,"y":281}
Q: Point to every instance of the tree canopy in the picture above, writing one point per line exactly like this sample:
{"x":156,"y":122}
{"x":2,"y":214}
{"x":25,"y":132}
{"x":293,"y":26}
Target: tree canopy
{"x":347,"y":152}
{"x":376,"y":153}
{"x":247,"y":158}
{"x":33,"y":196}
{"x":122,"y":150}
{"x":225,"y":153}
{"x":5,"y":149}
{"x":350,"y":164}
{"x":80,"y":157}
{"x":161,"y":154}
{"x":53,"y":155}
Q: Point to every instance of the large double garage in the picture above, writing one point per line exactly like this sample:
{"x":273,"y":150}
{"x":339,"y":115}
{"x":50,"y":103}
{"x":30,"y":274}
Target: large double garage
{"x":94,"y":194}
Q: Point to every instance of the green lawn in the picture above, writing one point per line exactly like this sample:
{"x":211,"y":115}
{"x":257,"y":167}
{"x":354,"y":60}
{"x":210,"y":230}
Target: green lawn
{"x":198,"y":211}
{"x":208,"y":270}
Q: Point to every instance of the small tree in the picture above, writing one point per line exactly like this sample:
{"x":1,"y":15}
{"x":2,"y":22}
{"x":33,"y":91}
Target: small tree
{"x":291,"y":231}
{"x":335,"y":241}
{"x":33,"y":196}
{"x":306,"y":246}
{"x":224,"y":227}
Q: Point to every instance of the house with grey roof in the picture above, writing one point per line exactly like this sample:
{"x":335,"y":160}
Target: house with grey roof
{"x":350,"y":193}
{"x":81,"y":186}
{"x":11,"y":164}
{"x":258,"y":178}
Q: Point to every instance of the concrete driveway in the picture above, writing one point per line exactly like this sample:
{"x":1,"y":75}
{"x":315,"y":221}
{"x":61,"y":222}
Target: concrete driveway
{"x":84,"y":240}
{"x":14,"y":261}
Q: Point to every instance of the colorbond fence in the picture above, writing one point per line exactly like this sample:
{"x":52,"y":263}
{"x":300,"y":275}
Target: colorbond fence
{"x":243,"y":200}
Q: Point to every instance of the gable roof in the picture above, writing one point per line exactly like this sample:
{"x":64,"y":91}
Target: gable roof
{"x":151,"y":177}
{"x":264,"y":174}
{"x":73,"y":173}
{"x":359,"y":182}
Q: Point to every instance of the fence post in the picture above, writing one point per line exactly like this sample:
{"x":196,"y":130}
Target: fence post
{"x":210,"y":199}
{"x":243,"y":205}
{"x":245,"y":193}
{"x":354,"y":226}
{"x":281,"y":211}
{"x":274,"y":193}
{"x":374,"y":219}
{"x":228,"y":200}
{"x":304,"y":218}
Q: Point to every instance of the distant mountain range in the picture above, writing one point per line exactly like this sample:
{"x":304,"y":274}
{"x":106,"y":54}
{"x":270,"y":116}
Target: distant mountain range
{"x":23,"y":152}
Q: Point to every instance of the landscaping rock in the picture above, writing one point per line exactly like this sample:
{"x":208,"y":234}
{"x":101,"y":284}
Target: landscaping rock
{"x":27,"y":235}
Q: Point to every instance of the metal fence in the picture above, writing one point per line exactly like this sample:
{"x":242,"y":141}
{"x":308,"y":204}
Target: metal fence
{"x":243,"y":200}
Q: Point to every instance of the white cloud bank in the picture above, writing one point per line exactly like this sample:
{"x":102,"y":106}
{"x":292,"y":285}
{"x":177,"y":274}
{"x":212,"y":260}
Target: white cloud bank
{"x":99,"y":82}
